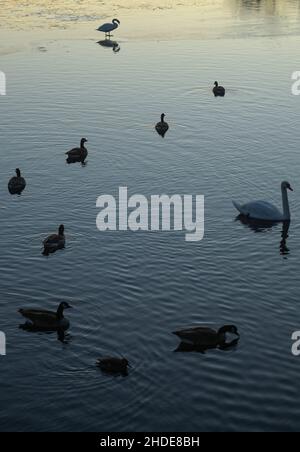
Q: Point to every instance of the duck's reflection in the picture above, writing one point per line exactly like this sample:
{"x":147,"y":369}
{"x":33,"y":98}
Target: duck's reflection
{"x":109,"y":44}
{"x":162,"y":133}
{"x":72,"y":160}
{"x":263,"y":226}
{"x":62,"y":335}
{"x":186,"y":347}
{"x":16,"y":190}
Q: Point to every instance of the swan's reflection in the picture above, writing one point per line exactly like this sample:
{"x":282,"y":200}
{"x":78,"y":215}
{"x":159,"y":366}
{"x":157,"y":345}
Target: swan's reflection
{"x":284,"y":250}
{"x":263,"y":226}
{"x":109,"y":44}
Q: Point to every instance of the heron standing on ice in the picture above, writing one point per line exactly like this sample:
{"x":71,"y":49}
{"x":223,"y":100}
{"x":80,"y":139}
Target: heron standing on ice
{"x":108,"y":28}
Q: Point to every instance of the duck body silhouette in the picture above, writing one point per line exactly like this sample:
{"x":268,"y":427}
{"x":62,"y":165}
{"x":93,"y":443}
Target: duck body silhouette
{"x":47,"y":320}
{"x":113,"y":365}
{"x":17,"y":184}
{"x":206,"y":337}
{"x":78,"y":154}
{"x":55,"y":242}
{"x":265,"y":211}
{"x":162,"y":127}
{"x":219,"y":91}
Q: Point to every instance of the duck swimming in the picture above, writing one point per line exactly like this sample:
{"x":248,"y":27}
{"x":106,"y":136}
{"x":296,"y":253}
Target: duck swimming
{"x":219,"y":91}
{"x":55,"y":242}
{"x":113,"y":365}
{"x":47,"y":320}
{"x":16,"y":184}
{"x":78,"y":154}
{"x":162,"y":127}
{"x":207,"y":337}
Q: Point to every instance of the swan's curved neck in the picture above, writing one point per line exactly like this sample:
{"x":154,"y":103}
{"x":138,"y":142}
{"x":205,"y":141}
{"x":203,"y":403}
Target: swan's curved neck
{"x":285,"y":204}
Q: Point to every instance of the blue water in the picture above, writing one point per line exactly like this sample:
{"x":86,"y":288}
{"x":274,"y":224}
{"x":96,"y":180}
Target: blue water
{"x":131,"y":290}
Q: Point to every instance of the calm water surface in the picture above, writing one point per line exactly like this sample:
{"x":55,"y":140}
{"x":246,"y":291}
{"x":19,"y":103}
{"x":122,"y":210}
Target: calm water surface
{"x":130,"y":291}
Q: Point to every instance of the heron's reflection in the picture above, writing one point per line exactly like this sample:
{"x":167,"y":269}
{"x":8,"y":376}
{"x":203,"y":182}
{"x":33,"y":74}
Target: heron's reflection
{"x":186,"y":347}
{"x":263,"y":226}
{"x":109,"y":44}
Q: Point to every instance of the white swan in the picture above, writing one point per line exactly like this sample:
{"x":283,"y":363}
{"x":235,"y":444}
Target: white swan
{"x":264,"y":211}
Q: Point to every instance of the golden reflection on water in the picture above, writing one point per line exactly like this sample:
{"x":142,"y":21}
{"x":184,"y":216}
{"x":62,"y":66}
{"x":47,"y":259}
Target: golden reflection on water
{"x":28,"y":14}
{"x":33,"y":22}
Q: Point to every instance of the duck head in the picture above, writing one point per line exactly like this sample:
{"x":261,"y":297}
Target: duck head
{"x":229,"y":329}
{"x":60,"y":311}
{"x":125,"y":363}
{"x":122,"y":366}
{"x":61,"y":230}
{"x":82,"y":142}
{"x":65,"y":305}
